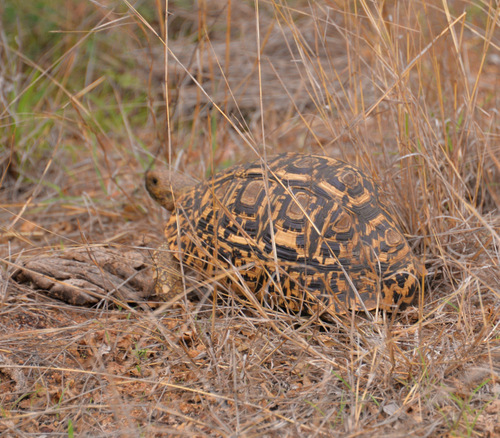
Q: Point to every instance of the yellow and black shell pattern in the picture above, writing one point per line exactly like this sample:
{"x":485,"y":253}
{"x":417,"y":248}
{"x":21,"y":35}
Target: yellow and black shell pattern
{"x":304,"y":232}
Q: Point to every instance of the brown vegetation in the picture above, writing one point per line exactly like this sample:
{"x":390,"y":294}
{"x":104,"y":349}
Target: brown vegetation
{"x":407,"y":90}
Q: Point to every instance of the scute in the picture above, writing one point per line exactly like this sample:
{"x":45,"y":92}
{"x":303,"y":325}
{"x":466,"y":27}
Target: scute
{"x":336,"y":245}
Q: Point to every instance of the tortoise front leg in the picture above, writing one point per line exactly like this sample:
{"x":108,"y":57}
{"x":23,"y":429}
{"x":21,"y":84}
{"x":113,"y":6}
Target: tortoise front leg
{"x":167,"y":275}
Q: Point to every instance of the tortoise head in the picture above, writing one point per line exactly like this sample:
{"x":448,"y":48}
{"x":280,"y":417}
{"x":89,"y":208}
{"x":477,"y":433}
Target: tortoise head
{"x":164,"y":186}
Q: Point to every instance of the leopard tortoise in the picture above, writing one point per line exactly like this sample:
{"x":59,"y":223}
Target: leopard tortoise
{"x":303,"y":232}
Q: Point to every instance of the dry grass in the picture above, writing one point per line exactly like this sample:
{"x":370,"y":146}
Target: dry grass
{"x":407,"y":90}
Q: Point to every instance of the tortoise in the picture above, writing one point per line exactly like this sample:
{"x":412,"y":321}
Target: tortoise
{"x":304,"y":232}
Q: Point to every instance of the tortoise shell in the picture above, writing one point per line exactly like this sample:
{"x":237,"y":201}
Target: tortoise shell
{"x":304,"y":232}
